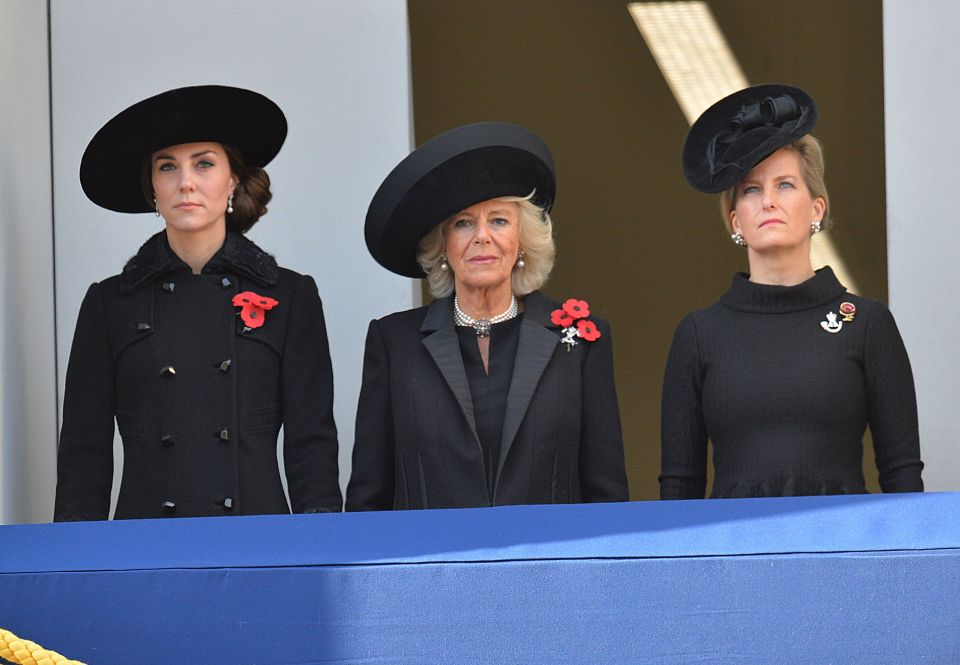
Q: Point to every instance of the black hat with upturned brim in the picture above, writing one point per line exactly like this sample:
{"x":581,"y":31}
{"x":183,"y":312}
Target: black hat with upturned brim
{"x":111,"y":167}
{"x":743,"y":129}
{"x":448,"y":173}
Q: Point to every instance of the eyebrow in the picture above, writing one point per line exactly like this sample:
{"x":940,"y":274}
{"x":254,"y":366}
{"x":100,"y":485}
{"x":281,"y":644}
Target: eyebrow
{"x":463,"y":213}
{"x":777,"y":178}
{"x":193,"y":156}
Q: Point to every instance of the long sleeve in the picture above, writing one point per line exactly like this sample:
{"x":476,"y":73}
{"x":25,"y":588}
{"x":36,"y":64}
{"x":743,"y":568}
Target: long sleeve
{"x":891,"y":405}
{"x":372,"y":480}
{"x":683,"y":431}
{"x":85,"y":454}
{"x":603,"y":476}
{"x":310,"y":434}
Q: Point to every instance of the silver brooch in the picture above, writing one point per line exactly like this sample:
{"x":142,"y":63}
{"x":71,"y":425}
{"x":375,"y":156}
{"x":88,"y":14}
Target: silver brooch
{"x":831,"y":325}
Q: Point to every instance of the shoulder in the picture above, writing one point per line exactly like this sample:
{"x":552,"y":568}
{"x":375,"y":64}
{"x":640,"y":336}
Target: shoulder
{"x":862,"y":303}
{"x":701,"y":318}
{"x":107,"y":292}
{"x":289,"y":285}
{"x":875,"y":314}
{"x":110,"y":285}
{"x":291,"y":279}
{"x":403,"y":320}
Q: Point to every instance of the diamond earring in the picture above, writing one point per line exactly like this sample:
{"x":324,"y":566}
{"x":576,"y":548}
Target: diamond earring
{"x":738,"y":239}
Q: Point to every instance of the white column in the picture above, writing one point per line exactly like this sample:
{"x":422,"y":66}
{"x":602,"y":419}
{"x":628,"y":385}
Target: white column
{"x":28,"y":417}
{"x":921,"y":60}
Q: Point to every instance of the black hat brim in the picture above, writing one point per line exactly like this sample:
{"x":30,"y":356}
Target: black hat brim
{"x":110,"y":170}
{"x":711,"y":165}
{"x":448,"y":173}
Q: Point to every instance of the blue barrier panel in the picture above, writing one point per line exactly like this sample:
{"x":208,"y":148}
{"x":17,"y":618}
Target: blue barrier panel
{"x":856,"y":579}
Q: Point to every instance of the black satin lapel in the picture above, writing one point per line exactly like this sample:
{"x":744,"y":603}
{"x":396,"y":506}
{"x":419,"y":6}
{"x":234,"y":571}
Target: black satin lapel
{"x":444,"y":347}
{"x":534,"y":350}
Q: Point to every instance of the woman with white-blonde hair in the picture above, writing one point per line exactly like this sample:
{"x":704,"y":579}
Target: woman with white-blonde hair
{"x":493,"y":394}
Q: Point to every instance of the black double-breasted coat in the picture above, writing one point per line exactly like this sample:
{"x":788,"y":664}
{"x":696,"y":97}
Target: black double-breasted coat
{"x":199,"y":400}
{"x":416,"y":443}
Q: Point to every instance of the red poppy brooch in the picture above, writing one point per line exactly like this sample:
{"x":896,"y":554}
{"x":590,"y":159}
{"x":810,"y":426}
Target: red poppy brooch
{"x":252,"y":308}
{"x":572,"y":318}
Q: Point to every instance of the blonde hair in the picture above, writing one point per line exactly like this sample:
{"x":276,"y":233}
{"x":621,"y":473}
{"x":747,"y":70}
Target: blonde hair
{"x":812,"y":167}
{"x":536,"y":241}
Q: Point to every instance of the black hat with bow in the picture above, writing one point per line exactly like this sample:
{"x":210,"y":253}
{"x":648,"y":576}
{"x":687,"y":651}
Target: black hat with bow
{"x":743,"y":129}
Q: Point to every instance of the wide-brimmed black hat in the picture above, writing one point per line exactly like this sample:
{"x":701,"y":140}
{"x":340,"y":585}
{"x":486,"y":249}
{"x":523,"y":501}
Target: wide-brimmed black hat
{"x":111,"y":166}
{"x":743,"y":129}
{"x":448,"y":173}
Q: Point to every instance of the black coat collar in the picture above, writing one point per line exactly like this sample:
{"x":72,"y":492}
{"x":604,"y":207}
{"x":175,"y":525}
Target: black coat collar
{"x":745,"y":296}
{"x":238,"y":254}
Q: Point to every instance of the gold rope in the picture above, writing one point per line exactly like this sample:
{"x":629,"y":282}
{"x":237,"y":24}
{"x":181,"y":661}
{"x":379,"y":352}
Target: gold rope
{"x":25,"y":652}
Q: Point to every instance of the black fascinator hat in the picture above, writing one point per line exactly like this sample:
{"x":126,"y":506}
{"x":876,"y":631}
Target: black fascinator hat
{"x":448,"y":173}
{"x":111,"y":165}
{"x":743,"y":129}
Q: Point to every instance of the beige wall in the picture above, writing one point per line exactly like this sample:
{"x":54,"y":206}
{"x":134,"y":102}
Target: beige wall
{"x":633,"y":239}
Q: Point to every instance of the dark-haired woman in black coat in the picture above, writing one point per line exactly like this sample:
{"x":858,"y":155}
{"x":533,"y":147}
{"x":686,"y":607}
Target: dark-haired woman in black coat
{"x":202,"y":347}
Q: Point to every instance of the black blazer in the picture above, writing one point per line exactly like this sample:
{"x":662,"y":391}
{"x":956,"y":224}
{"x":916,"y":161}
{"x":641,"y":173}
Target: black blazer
{"x":200,"y":439}
{"x":416,"y":444}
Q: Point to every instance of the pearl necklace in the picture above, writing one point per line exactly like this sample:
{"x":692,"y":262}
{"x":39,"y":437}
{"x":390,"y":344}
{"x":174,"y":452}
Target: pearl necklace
{"x":482,"y":326}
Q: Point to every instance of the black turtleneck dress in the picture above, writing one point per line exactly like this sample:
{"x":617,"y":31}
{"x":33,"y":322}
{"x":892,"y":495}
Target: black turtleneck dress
{"x":784,"y":381}
{"x":198,"y":397}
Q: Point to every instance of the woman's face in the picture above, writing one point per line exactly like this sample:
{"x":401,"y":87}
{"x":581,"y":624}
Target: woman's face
{"x":482,"y":242}
{"x":191,"y":182}
{"x":774,"y":207}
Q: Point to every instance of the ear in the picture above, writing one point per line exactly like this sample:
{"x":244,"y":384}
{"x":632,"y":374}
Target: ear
{"x":734,"y":222}
{"x":819,"y":207}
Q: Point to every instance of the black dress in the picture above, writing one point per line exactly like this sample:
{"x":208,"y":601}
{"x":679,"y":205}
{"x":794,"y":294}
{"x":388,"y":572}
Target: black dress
{"x":784,"y":381}
{"x":489,"y":389}
{"x":199,"y":400}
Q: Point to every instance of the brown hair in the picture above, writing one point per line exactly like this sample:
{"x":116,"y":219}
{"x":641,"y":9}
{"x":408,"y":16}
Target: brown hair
{"x":812,"y":167}
{"x":250,"y":196}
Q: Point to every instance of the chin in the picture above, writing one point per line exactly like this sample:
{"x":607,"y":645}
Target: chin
{"x":483,"y":283}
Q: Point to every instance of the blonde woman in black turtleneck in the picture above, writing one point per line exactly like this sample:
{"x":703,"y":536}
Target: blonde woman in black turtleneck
{"x":786,"y":371}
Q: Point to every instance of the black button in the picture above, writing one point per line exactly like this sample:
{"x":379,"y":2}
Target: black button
{"x":168,"y":287}
{"x":168,"y":370}
{"x":168,"y":439}
{"x":225,"y":365}
{"x":226,"y":283}
{"x":224,"y":434}
{"x":143,"y":326}
{"x":228,"y":504}
{"x":169,"y":507}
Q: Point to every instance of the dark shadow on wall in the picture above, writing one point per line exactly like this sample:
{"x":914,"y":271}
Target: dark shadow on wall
{"x":632,"y":237}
